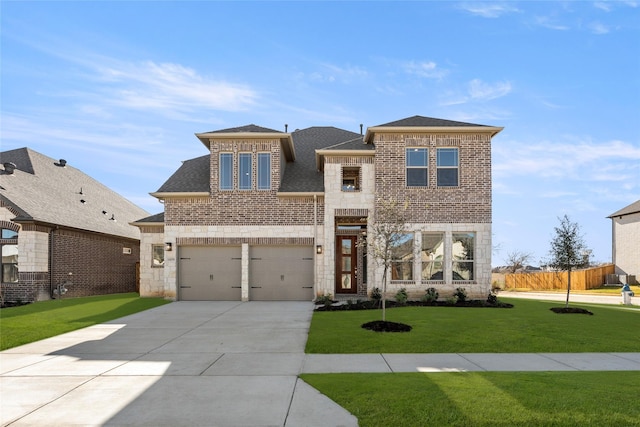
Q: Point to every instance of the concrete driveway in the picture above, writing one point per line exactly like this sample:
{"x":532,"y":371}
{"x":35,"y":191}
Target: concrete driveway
{"x":182,"y":364}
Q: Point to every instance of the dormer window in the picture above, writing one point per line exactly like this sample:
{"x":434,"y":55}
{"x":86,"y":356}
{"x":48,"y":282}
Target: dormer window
{"x":350,"y":179}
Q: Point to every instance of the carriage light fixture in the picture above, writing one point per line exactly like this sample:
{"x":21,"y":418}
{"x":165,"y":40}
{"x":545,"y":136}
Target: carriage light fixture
{"x":168,"y":247}
{"x":319,"y":249}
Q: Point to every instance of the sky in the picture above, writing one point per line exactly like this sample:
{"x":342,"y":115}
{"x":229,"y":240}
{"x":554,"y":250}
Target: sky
{"x":119,"y":88}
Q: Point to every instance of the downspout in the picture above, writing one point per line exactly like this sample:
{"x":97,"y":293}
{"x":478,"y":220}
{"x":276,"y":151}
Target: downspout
{"x":51,"y":263}
{"x":315,"y":242}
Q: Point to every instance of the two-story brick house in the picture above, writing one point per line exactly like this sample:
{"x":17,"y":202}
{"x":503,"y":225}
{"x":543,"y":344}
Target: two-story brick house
{"x":270,"y":215}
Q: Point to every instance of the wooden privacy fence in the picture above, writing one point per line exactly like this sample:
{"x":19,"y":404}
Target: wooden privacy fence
{"x":588,"y":278}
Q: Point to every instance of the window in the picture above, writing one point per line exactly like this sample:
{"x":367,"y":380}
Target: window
{"x":432,"y":256}
{"x":9,"y":253}
{"x":447,"y":167}
{"x":244,"y":171}
{"x":463,"y":255}
{"x":158,"y":255}
{"x":264,"y":171}
{"x":350,"y":179}
{"x":402,"y":257}
{"x":416,"y":162}
{"x":226,"y":171}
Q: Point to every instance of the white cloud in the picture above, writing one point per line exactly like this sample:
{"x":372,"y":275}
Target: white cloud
{"x":546,"y":22}
{"x":602,"y":5}
{"x":488,"y":10}
{"x":485,"y":91}
{"x":171,"y":87}
{"x":427,"y":69}
{"x":571,"y":159}
{"x":598,"y":28}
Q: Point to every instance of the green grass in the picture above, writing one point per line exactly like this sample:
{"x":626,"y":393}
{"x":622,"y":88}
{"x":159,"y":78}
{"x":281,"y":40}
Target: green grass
{"x":486,"y":398}
{"x":44,"y":319}
{"x":528,"y":327}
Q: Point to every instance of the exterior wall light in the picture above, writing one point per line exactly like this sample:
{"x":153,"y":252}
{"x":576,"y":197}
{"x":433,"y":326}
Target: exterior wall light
{"x":319,"y":249}
{"x":168,"y":246}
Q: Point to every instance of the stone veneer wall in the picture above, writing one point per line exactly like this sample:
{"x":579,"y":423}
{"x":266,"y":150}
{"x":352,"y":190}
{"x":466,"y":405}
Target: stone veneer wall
{"x":626,"y":235}
{"x":151,"y":276}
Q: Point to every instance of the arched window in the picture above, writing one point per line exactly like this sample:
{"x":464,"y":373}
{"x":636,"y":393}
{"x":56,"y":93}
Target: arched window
{"x":9,"y":249}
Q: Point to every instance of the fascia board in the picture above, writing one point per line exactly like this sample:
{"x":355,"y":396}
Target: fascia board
{"x":166,"y":195}
{"x":493,"y":130}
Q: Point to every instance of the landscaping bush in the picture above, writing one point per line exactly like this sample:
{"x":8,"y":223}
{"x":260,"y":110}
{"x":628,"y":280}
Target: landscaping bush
{"x":431,"y":295}
{"x":402,"y":297}
{"x":460,"y":294}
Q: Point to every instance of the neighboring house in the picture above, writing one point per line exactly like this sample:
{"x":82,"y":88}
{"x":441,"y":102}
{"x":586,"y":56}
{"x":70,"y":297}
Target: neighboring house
{"x":56,"y":220}
{"x":270,"y":215}
{"x":625,"y":236}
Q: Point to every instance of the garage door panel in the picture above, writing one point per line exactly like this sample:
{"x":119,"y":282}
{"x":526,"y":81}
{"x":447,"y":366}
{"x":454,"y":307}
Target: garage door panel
{"x":281,"y":273}
{"x":210,"y":273}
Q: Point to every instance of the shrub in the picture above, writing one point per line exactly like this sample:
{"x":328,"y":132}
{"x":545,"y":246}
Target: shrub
{"x":492,"y":299}
{"x":376,"y":295}
{"x":460,"y":294}
{"x":325,"y":299}
{"x":431,"y":295}
{"x":452,"y":300}
{"x":401,"y":296}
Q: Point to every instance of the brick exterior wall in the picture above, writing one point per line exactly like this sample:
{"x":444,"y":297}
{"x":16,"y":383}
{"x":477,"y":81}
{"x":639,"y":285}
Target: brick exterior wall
{"x":469,"y":202}
{"x":97,"y":262}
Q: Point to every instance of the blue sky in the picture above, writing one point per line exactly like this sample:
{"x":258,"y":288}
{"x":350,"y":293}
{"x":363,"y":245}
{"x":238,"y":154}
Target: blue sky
{"x":118,"y":89}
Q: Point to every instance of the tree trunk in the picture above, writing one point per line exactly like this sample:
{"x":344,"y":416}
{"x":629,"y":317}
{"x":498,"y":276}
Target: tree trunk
{"x":384,"y":293}
{"x":568,"y":287}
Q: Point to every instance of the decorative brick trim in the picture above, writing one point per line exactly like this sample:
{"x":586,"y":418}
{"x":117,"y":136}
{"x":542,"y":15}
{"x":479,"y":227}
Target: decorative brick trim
{"x":352,"y":212}
{"x":254,"y":241}
{"x":152,"y":229}
{"x":349,"y":161}
{"x":10,"y":225}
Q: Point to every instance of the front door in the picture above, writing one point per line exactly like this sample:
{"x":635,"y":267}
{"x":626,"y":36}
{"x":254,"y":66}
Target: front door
{"x":346,"y":264}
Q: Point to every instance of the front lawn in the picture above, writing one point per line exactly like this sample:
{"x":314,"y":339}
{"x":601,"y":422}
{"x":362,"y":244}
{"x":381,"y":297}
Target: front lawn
{"x":486,"y":398}
{"x":529,"y":327}
{"x":44,"y":319}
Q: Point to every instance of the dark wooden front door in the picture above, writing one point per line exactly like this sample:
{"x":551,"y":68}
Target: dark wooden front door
{"x":346,"y":265}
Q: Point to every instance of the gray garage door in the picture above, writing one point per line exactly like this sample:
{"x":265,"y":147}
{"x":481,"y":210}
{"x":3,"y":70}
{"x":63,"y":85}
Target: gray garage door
{"x":281,"y":273}
{"x":209,"y":273}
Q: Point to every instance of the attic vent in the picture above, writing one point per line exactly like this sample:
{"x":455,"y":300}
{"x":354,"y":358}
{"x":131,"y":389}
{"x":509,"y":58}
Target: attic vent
{"x":361,"y":128}
{"x":9,"y":167}
{"x":113,"y":218}
{"x":62,"y":162}
{"x":286,"y":126}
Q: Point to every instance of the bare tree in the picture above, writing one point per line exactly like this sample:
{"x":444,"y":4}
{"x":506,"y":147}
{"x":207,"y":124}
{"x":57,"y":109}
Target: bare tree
{"x":517,"y":260}
{"x":568,"y":250}
{"x":387,"y":231}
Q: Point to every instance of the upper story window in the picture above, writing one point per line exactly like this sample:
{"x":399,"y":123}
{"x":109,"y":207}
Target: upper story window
{"x":417,"y":160}
{"x":350,"y":179}
{"x":264,"y":171}
{"x":226,"y":171}
{"x":447,"y":167}
{"x":244,"y":171}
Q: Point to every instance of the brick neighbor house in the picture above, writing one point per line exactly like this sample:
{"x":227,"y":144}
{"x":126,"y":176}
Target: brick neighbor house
{"x":625,"y":235}
{"x":56,"y":220}
{"x":270,"y":215}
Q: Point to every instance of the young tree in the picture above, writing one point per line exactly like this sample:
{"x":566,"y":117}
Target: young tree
{"x":517,"y":260}
{"x":568,"y":250}
{"x":386,"y":233}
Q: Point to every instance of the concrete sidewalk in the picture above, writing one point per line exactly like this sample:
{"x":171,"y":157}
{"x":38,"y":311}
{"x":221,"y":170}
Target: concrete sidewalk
{"x":215,"y":364}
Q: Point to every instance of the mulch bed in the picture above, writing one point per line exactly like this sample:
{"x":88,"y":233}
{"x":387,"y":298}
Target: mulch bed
{"x":373,"y":305}
{"x":386,"y":326}
{"x":570,"y":310}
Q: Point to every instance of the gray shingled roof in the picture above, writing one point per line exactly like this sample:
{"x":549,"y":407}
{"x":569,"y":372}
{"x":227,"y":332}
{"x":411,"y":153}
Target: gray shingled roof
{"x":192,"y":177}
{"x":421,"y":121}
{"x":302,"y":175}
{"x":159,"y":217}
{"x":627,"y":210}
{"x":247,"y":128}
{"x":41,"y":189}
